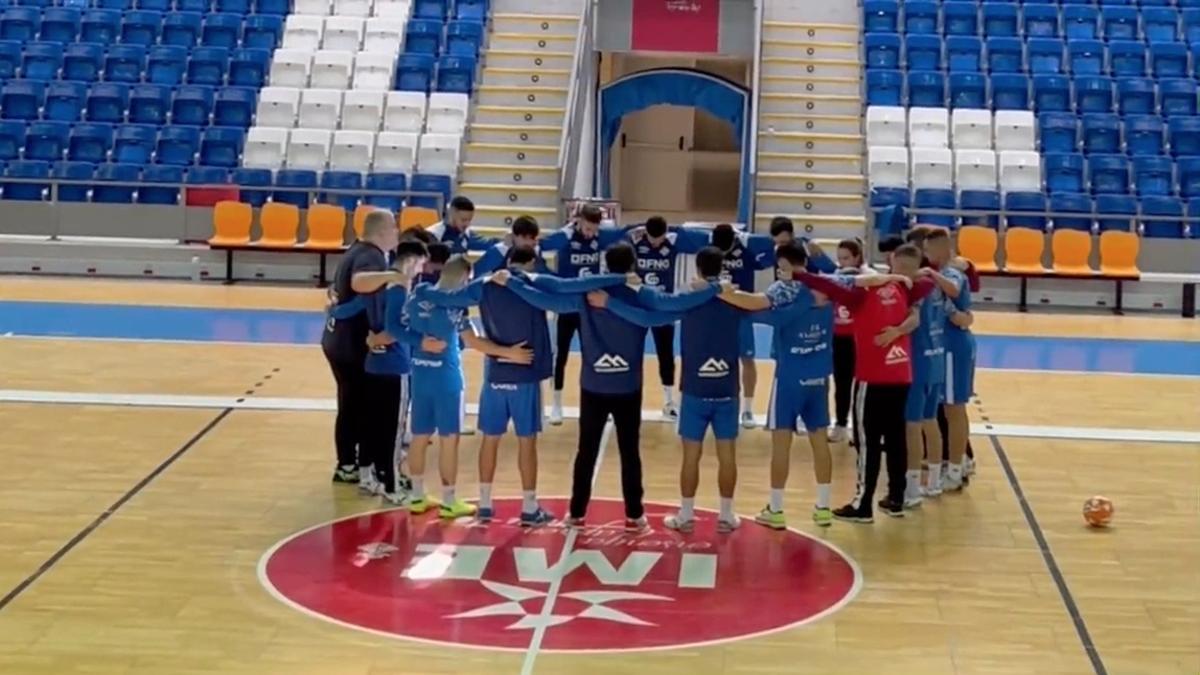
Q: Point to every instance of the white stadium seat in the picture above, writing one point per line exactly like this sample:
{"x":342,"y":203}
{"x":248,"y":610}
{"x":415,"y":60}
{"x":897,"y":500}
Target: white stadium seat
{"x":395,"y":152}
{"x":331,"y":69}
{"x":932,"y":168}
{"x":405,"y":112}
{"x":447,"y":113}
{"x":384,"y":35}
{"x":1020,"y":171}
{"x":352,"y":8}
{"x":887,"y":126}
{"x":928,"y":128}
{"x":362,"y":110}
{"x":320,"y":109}
{"x":1015,"y":130}
{"x":277,"y":107}
{"x":313,"y":7}
{"x":373,"y":70}
{"x":352,"y":151}
{"x":438,"y":154}
{"x":266,"y":148}
{"x":887,"y":166}
{"x":303,"y":32}
{"x":975,"y":169}
{"x":308,"y":149}
{"x":971,"y":129}
{"x":289,"y":68}
{"x":343,"y":33}
{"x":393,"y":10}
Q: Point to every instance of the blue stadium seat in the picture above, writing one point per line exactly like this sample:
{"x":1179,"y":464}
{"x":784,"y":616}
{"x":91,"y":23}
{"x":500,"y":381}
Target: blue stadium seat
{"x":83,"y":62}
{"x":273,"y":7}
{"x":22,"y":99}
{"x":968,"y":90}
{"x":1168,"y":207}
{"x":248,"y":67}
{"x":119,"y":5}
{"x":239,"y":7}
{"x":46,"y":141}
{"x":165,"y":64}
{"x":73,"y":171}
{"x":12,"y":139}
{"x":64,"y":101}
{"x":149,"y":104}
{"x":177,"y":145}
{"x":464,"y":38}
{"x":456,"y":74}
{"x":960,"y":18}
{"x":1196,"y":60}
{"x":221,"y":30}
{"x":423,"y":182}
{"x":964,"y":54}
{"x":1005,"y":55}
{"x":124,"y":63}
{"x":881,"y":197}
{"x":1101,"y":133}
{"x":926,"y":89}
{"x":1144,"y":135}
{"x":182,"y":29}
{"x":1063,"y":171}
{"x":141,"y":27}
{"x":1160,"y":24}
{"x":1058,"y":132}
{"x":1185,"y":136}
{"x":882,"y":49}
{"x":1085,"y":57}
{"x":10,"y":59}
{"x":100,"y":26}
{"x":1153,"y":176}
{"x":471,"y":9}
{"x":29,"y":192}
{"x":884,"y":87}
{"x":423,"y":36}
{"x":156,"y":5}
{"x":115,"y":194}
{"x":388,"y":182}
{"x":1000,"y":19}
{"x":134,"y":143}
{"x":1081,"y":22}
{"x":881,"y":16}
{"x":923,"y":52}
{"x":431,"y":9}
{"x":106,"y":102}
{"x":1191,"y":25}
{"x":1189,"y":177}
{"x":234,"y":107}
{"x":1010,"y":92}
{"x":927,"y":198}
{"x":20,"y":23}
{"x":1093,"y":94}
{"x":160,"y":194}
{"x":60,"y":24}
{"x":1051,"y":93}
{"x":192,"y":105}
{"x":1109,"y":174}
{"x":1127,"y":58}
{"x":208,"y":65}
{"x":262,"y":31}
{"x":1193,"y":210}
{"x":1066,"y":202}
{"x":1040,"y":21}
{"x":213,"y":175}
{"x":1110,"y":206}
{"x":1120,"y":23}
{"x":414,"y":72}
{"x":89,"y":143}
{"x":1045,"y":55}
{"x":341,"y":180}
{"x":221,"y":146}
{"x":245,"y":178}
{"x":294,"y":178}
{"x":1016,"y":203}
{"x":1169,"y":59}
{"x":1178,"y":97}
{"x":1135,"y":96}
{"x":42,"y":61}
{"x":979,"y":200}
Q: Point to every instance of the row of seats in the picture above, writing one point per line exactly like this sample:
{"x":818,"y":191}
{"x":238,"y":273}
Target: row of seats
{"x":372,"y":71}
{"x":361,"y":151}
{"x":1071,"y":253}
{"x":440,"y":10}
{"x":91,"y":62}
{"x":419,"y":36}
{"x":404,"y":111}
{"x":1119,"y":20}
{"x":280,"y":225}
{"x":263,"y":7}
{"x":1155,"y":216}
{"x":216,"y":146}
{"x":139,"y":104}
{"x":1049,"y":93}
{"x":145,"y":28}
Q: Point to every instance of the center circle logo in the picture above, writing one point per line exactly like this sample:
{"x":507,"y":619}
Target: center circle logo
{"x":597,"y":589}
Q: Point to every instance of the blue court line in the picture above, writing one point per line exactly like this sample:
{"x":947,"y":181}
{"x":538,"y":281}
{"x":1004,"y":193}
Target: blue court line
{"x":136,"y":322}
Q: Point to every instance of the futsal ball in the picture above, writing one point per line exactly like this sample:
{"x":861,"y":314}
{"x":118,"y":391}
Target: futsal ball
{"x":1098,"y":511}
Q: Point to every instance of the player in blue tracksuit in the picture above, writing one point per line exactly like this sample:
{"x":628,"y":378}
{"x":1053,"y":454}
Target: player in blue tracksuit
{"x":524,"y":233}
{"x":455,"y":230}
{"x":511,"y":391}
{"x":657,"y":253}
{"x":802,"y":349}
{"x":709,"y":383}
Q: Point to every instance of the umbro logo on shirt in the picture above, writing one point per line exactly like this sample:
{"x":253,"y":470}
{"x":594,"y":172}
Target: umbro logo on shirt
{"x":896,"y":355}
{"x":714,"y":368}
{"x":610,"y":363}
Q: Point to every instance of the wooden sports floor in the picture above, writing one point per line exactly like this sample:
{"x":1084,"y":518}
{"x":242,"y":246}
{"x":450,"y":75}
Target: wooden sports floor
{"x":145,"y":482}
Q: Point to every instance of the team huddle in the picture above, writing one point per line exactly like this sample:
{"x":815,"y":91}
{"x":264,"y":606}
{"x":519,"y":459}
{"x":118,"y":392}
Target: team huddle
{"x":897,"y":345}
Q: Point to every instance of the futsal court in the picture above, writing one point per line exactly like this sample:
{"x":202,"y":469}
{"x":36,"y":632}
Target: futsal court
{"x":163,"y":443}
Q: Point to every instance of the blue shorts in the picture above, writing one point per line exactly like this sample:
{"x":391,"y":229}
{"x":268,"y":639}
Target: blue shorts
{"x":960,"y":375}
{"x":923,"y":401}
{"x":746,"y":339}
{"x":520,"y":402}
{"x":696,"y":414}
{"x":437,"y":412}
{"x":796,"y":402}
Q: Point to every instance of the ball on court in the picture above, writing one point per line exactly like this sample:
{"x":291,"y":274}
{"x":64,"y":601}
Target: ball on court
{"x":1098,"y":511}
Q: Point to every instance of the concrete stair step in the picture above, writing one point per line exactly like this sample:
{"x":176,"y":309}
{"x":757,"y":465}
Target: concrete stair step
{"x":804,"y":142}
{"x":818,"y":204}
{"x":533,"y":59}
{"x":802,"y":67}
{"x":808,"y":183}
{"x":817,"y":124}
{"x":520,"y":77}
{"x":501,"y":215}
{"x":507,"y":153}
{"x":810,"y":103}
{"x":536,"y":24}
{"x":841,"y":51}
{"x":517,"y":196}
{"x":515,"y":174}
{"x":517,"y":134}
{"x":561,"y":44}
{"x":817,"y":227}
{"x":545,"y":97}
{"x":811,"y":32}
{"x":499,"y":114}
{"x":810,"y":163}
{"x":795,"y":82}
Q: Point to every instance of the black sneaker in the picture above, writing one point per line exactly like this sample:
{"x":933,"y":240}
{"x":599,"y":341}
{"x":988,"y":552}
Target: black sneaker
{"x":345,"y":474}
{"x":891,"y":508}
{"x":853,"y":515}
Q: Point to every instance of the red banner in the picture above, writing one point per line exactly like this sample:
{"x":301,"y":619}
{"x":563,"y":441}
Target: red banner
{"x":676,"y":25}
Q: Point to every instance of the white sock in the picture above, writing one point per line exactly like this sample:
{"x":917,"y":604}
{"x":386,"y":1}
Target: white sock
{"x":557,"y":399}
{"x":528,"y":501}
{"x":954,"y":471}
{"x":747,"y":404}
{"x":669,"y":395}
{"x":687,"y":507}
{"x":935,"y":475}
{"x":447,"y":494}
{"x":726,"y":509}
{"x":776,"y":502}
{"x":485,"y":495}
{"x":366,"y":474}
{"x":418,"y":490}
{"x":912,"y":486}
{"x":823,"y":496}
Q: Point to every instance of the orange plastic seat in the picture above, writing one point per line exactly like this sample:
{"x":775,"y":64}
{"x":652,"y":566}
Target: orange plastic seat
{"x":1023,"y":248}
{"x":979,"y":244}
{"x":415,"y":216}
{"x":326,"y":227}
{"x":1071,"y":250}
{"x":280,"y":223}
{"x":360,"y":218}
{"x":231,"y":224}
{"x":1119,"y":254}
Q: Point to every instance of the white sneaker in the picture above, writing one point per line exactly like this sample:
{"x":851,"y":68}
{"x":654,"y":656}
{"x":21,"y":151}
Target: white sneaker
{"x":968,"y":466}
{"x":913,"y":502}
{"x":368,"y":485}
{"x":679,"y":524}
{"x":670,"y":412}
{"x":748,"y":420}
{"x":951,"y":484}
{"x":727,"y":526}
{"x":397,"y":498}
{"x":932,"y":490}
{"x":838,"y":434}
{"x":556,"y":415}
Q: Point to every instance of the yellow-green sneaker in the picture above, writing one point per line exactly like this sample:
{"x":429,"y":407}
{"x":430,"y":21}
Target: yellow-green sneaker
{"x":456,"y":509}
{"x":772,"y":519}
{"x":823,"y":516}
{"x":419,"y":505}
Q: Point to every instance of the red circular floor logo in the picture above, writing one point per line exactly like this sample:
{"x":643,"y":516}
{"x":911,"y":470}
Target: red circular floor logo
{"x":596,"y":589}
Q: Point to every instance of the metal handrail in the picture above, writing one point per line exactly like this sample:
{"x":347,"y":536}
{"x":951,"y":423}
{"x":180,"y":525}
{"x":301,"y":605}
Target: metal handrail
{"x":568,"y":144}
{"x":756,"y":92}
